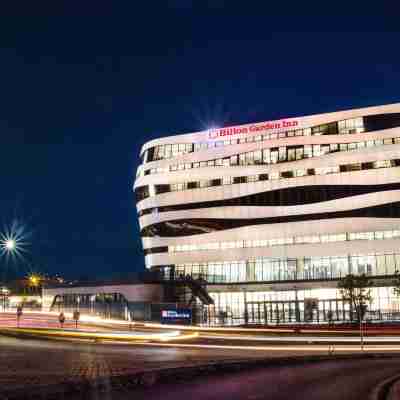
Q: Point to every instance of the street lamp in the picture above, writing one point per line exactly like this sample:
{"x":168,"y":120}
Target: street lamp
{"x":9,"y":247}
{"x":12,"y":241}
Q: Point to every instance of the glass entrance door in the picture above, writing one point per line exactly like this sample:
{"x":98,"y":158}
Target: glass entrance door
{"x":277,"y":312}
{"x":281,"y":312}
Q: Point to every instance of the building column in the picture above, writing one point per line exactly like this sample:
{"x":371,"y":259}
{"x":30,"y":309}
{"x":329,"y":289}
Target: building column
{"x":246,"y":312}
{"x":250,"y":271}
{"x":300,"y":268}
{"x":297,"y":309}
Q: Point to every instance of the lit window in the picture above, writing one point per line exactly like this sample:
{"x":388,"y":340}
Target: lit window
{"x":301,"y":172}
{"x":382,"y":164}
{"x":274,"y":175}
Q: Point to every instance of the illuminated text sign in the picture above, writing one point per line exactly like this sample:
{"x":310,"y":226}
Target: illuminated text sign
{"x":253,"y":128}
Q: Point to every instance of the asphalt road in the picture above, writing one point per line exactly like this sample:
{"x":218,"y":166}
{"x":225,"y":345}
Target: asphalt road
{"x":338,"y":380}
{"x":31,"y":364}
{"x":26,"y":363}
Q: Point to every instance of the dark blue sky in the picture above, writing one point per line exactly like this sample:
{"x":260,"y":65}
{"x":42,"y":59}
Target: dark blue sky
{"x":82,"y":89}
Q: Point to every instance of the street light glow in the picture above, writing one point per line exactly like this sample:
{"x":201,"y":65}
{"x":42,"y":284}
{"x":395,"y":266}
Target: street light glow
{"x":13,"y":241}
{"x":10,"y":244}
{"x":34,"y":280}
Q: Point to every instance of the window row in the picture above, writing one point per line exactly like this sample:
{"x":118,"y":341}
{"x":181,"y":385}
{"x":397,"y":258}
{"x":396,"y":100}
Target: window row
{"x":308,"y":239}
{"x":144,"y":192}
{"x":268,"y":269}
{"x":167,"y":151}
{"x":275,"y":155}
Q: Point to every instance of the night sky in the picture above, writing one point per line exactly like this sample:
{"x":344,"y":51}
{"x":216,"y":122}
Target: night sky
{"x":83,"y":88}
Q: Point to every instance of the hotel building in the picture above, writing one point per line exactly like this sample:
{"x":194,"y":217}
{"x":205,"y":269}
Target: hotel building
{"x":272,"y":215}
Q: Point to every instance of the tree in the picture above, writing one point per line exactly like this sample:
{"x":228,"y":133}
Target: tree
{"x":396,"y":283}
{"x":356,"y":290}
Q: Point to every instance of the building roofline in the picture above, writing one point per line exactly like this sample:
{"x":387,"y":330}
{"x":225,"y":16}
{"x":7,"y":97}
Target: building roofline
{"x":188,"y":137}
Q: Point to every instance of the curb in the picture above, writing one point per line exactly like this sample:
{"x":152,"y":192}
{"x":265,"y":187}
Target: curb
{"x":382,"y":391}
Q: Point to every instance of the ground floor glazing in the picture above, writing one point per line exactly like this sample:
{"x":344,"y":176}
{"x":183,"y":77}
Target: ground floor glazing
{"x":317,"y":305}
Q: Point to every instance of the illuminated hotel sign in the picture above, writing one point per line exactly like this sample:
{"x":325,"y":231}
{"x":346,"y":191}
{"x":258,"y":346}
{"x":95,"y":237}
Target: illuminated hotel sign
{"x":253,"y":128}
{"x":178,"y":316}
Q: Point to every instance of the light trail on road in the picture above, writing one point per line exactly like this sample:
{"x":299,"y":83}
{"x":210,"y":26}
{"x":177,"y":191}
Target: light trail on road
{"x":99,"y":335}
{"x":305,"y":339}
{"x":51,"y":318}
{"x":277,"y":348}
{"x":40,"y":325}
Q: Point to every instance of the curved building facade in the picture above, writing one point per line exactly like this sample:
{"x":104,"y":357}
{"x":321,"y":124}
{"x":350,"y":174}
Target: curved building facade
{"x":273,"y":214}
